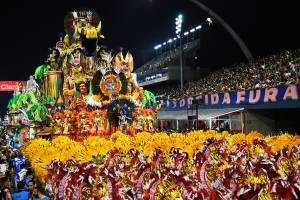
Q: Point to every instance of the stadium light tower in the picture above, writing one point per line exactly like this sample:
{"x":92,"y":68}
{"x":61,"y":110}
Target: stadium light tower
{"x":178,"y":22}
{"x":226,"y":26}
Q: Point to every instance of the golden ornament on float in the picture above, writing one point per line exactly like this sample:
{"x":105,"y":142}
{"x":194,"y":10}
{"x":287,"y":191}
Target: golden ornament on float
{"x":110,"y":85}
{"x":53,"y":83}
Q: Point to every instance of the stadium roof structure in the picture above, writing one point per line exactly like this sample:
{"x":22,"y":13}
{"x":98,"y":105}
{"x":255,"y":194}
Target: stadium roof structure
{"x":203,"y":114}
{"x":168,"y":55}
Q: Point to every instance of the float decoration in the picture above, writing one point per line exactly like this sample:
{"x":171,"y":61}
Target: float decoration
{"x":198,"y":165}
{"x":82,"y":79}
{"x":83,"y":91}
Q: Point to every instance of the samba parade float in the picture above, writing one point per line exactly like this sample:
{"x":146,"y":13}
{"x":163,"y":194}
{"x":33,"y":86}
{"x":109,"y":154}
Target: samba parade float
{"x":83,"y":89}
{"x":97,"y":140}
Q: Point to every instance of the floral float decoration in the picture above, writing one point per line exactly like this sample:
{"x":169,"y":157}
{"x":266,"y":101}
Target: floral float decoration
{"x":198,"y":165}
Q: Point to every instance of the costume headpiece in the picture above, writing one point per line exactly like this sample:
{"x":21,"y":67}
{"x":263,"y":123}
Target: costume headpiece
{"x":90,"y":16}
{"x":124,"y":63}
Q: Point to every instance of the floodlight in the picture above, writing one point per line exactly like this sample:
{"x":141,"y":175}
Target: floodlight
{"x":198,"y":27}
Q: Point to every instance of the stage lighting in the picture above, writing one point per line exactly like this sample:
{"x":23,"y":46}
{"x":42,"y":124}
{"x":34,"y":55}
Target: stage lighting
{"x":198,"y":27}
{"x":178,"y":22}
{"x":209,"y":21}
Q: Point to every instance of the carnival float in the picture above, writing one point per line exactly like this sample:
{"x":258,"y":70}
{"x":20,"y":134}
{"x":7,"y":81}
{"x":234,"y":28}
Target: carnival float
{"x":97,"y":140}
{"x":82,"y":89}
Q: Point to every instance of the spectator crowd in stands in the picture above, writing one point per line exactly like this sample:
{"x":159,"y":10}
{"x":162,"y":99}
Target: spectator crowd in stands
{"x":266,"y":72}
{"x":159,"y":64}
{"x":17,"y":180}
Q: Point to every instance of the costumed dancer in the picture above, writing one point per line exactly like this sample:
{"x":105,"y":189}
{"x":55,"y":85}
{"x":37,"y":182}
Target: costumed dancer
{"x":54,"y":60}
{"x":88,"y":33}
{"x":123,"y":121}
{"x":99,"y":124}
{"x":139,"y":122}
{"x":115,"y":119}
{"x":124,"y":64}
{"x":32,"y":86}
{"x":68,"y":92}
{"x":83,"y":123}
{"x":68,"y":123}
{"x":57,"y":123}
{"x":150,"y":122}
{"x":76,"y":64}
{"x":82,"y":96}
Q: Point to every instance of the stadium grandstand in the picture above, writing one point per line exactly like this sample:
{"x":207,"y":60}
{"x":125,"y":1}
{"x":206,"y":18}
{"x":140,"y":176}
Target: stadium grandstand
{"x":262,"y":94}
{"x":164,"y":68}
{"x":272,"y":71}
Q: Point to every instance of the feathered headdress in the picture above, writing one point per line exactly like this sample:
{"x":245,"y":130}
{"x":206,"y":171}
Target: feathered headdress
{"x":82,"y":114}
{"x":124,"y":63}
{"x":58,"y":115}
{"x":95,"y":112}
{"x":70,"y":114}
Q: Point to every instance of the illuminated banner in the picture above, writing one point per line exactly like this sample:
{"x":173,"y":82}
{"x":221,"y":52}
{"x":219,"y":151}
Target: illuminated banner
{"x":9,"y":86}
{"x":280,"y":97}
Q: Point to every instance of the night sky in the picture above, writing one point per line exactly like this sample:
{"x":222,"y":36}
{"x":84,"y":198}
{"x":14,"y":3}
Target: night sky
{"x":29,"y":28}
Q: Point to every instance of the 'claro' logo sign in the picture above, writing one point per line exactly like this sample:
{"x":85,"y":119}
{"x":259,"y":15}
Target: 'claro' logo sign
{"x":10,"y":86}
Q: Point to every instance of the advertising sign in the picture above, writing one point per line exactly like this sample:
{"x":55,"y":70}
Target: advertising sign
{"x":10,"y":86}
{"x":280,"y":97}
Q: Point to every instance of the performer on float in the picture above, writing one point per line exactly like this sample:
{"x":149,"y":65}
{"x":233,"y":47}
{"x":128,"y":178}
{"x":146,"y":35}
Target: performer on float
{"x":150,"y":122}
{"x":76,"y":66}
{"x":57,"y":124}
{"x":83,"y":26}
{"x":73,"y":70}
{"x":89,"y":36}
{"x":54,"y":60}
{"x":68,"y":92}
{"x":68,"y":126}
{"x":138,"y":94}
{"x":81,"y":100}
{"x":83,"y":123}
{"x":82,"y":96}
{"x":104,"y":60}
{"x":124,"y":64}
{"x":32,"y":86}
{"x":129,"y":89}
{"x":25,"y":132}
{"x":98,"y":127}
{"x":114,"y":124}
{"x":59,"y":104}
{"x":139,"y":122}
{"x":123,"y":121}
